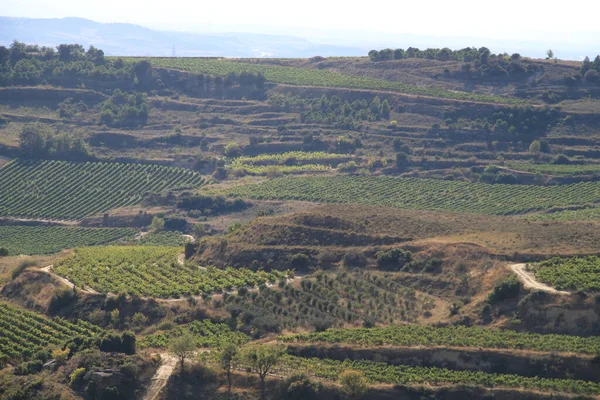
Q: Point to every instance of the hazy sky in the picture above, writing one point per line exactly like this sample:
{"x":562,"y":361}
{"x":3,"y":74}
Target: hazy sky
{"x":507,"y":19}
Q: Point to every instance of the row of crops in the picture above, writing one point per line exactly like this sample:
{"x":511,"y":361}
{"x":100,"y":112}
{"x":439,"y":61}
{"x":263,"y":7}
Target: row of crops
{"x":22,"y":332}
{"x":292,"y":162}
{"x":69,"y":190}
{"x":423,"y":194}
{"x":382,"y":373}
{"x":574,"y":274}
{"x":451,"y":336}
{"x":312,"y":77}
{"x":205,"y":333}
{"x":557,"y":169}
{"x":153,"y":271}
{"x":30,"y":240}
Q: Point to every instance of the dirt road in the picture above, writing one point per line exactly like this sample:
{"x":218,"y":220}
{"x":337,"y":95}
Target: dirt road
{"x":67,"y":282}
{"x":161,"y":377}
{"x":530,"y":282}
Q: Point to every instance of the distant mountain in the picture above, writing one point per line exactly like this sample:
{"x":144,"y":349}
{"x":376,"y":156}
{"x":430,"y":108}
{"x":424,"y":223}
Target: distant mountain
{"x":135,"y":40}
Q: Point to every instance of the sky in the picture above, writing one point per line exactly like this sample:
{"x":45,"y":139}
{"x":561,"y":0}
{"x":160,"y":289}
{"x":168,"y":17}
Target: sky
{"x":508,"y":19}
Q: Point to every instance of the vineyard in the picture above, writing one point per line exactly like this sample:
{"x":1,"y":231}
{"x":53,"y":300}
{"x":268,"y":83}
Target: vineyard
{"x":423,"y":194}
{"x":451,"y":336}
{"x":287,"y":163}
{"x":68,"y":190}
{"x":25,"y":332}
{"x":406,"y":375}
{"x":205,"y":332}
{"x":312,"y":77}
{"x":153,"y":271}
{"x":575,"y":274}
{"x":30,"y":240}
{"x":557,"y":169}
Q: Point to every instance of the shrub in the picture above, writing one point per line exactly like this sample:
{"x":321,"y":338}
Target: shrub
{"x":354,"y":259}
{"x":3,"y":252}
{"x":505,"y":290}
{"x":76,"y":378}
{"x":22,"y":267}
{"x":299,"y":261}
{"x":354,"y":384}
{"x":393,"y":259}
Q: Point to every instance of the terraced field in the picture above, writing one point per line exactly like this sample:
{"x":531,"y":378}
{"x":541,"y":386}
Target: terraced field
{"x":406,"y":375}
{"x":312,"y":77}
{"x":69,"y":191}
{"x":452,"y":336}
{"x":574,"y":274}
{"x":423,"y":194}
{"x":31,"y":240}
{"x":205,"y":332}
{"x":22,"y":332}
{"x":152,"y":271}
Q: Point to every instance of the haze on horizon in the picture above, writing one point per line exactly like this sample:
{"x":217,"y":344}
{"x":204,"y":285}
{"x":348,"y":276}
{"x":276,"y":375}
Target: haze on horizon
{"x":512,"y":20}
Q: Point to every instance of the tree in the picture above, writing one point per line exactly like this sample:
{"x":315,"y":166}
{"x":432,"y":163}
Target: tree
{"x":354,"y":384}
{"x":385,"y":109}
{"x":183,"y":347}
{"x":262,"y":358}
{"x":158,"y":224}
{"x":232,"y":150}
{"x":401,"y":160}
{"x":549,"y":54}
{"x":228,"y":361}
{"x":535,"y":147}
{"x":33,"y":138}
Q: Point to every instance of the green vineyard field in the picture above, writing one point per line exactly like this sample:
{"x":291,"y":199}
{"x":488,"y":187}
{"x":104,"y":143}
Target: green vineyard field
{"x":452,"y":336}
{"x":25,"y":332}
{"x":575,"y":274}
{"x":406,"y":375}
{"x":423,"y":194}
{"x":312,"y":77}
{"x":68,"y":190}
{"x":152,"y":271}
{"x":557,"y":169}
{"x":206,"y":333}
{"x":30,"y":240}
{"x":583,"y":214}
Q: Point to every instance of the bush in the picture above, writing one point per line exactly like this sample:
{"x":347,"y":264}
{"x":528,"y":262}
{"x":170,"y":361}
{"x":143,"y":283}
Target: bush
{"x":354,"y":259}
{"x":299,"y":261}
{"x":393,"y":259}
{"x":505,"y":290}
{"x":62,"y":298}
{"x":3,"y":252}
{"x":300,"y":387}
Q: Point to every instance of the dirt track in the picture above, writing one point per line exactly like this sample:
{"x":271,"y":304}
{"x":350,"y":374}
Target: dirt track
{"x":161,"y":377}
{"x":529,"y":281}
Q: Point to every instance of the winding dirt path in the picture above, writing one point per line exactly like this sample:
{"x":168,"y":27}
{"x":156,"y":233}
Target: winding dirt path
{"x":530,"y":282}
{"x":65,"y":281}
{"x":161,"y":377}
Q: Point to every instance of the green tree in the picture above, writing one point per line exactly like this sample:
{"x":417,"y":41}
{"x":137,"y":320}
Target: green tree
{"x":549,"y":54}
{"x":158,"y":224}
{"x":33,"y":139}
{"x":262,"y":358}
{"x":401,"y":160}
{"x":232,"y":150}
{"x":228,"y":362}
{"x":183,"y":347}
{"x":535,"y":147}
{"x":354,"y":384}
{"x":385,"y":109}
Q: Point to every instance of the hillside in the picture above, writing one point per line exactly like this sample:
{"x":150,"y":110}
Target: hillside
{"x":409,"y":223}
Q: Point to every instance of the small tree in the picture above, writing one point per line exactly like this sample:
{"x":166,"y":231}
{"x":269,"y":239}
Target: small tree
{"x":228,"y":362}
{"x":183,"y":347}
{"x":385,"y":109}
{"x":401,"y":160}
{"x":261,"y":359}
{"x":158,"y":224}
{"x":354,"y":384}
{"x":535,"y":147}
{"x":549,"y":54}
